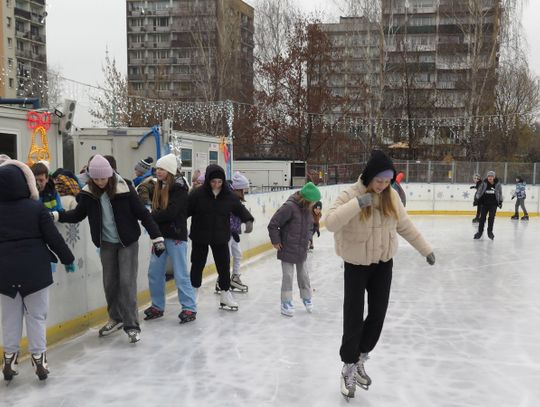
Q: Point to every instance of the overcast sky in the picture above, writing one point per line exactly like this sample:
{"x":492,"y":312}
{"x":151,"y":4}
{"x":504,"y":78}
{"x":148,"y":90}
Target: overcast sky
{"x":79,"y":32}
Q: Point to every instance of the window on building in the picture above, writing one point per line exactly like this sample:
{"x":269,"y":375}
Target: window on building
{"x":186,"y":156}
{"x":9,"y":22}
{"x":212,"y":157}
{"x":11,"y":83}
{"x":137,"y":86}
{"x":10,"y":42}
{"x":8,"y":3}
{"x":163,"y":86}
{"x":10,"y":63}
{"x":8,"y":144}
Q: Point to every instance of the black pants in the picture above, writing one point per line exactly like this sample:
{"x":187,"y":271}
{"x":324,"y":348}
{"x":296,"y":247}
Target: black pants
{"x":222,"y":259}
{"x":492,"y":210}
{"x":478,"y":211}
{"x":359,"y":335}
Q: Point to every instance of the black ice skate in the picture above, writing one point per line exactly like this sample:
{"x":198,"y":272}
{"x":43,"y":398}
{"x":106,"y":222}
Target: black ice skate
{"x":526,"y":217}
{"x":152,"y":313}
{"x":478,"y":235}
{"x":39,"y":361}
{"x":475,"y":220}
{"x":11,"y":363}
{"x":237,"y":285}
{"x":491,"y":235}
{"x":362,"y":378}
{"x":515,"y":217}
{"x":348,"y":380}
{"x":227,"y":302}
{"x":110,"y":327}
{"x":187,"y":316}
{"x":217,"y":289}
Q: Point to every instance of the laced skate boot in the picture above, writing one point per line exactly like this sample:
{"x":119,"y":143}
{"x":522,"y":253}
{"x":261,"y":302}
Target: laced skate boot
{"x":478,"y":235}
{"x":217,"y":288}
{"x":39,"y":361}
{"x":11,"y":364}
{"x":526,"y":217}
{"x":515,"y":217}
{"x":308,"y":304}
{"x":227,"y":302}
{"x":152,"y":313}
{"x":236,"y":284}
{"x":110,"y":327}
{"x":287,"y":308}
{"x":133,"y":335}
{"x":362,"y":378}
{"x":475,"y":220}
{"x":348,"y":381}
{"x":187,"y":316}
{"x":491,"y":235}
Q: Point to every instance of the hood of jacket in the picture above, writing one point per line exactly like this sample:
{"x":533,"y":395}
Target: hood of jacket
{"x":17,"y":181}
{"x":214,"y":171}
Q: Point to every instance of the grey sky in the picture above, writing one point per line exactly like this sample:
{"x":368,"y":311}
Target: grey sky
{"x":79,"y":32}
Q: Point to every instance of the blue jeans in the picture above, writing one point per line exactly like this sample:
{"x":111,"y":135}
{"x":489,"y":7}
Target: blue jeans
{"x":156,"y":276}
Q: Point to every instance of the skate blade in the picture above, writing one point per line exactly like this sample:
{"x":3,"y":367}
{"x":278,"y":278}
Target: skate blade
{"x":227,"y":307}
{"x":347,"y":398}
{"x":363,"y":386}
{"x":238,"y":290}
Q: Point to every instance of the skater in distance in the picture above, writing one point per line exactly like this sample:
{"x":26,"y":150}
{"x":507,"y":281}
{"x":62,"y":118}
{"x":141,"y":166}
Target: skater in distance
{"x":366,"y":219}
{"x":489,"y":196}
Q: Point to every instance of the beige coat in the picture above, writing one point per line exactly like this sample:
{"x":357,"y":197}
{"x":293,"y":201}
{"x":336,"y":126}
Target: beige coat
{"x":367,"y":242}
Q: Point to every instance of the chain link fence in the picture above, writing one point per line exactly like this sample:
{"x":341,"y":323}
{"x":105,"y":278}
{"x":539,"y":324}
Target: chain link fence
{"x":454,"y":172}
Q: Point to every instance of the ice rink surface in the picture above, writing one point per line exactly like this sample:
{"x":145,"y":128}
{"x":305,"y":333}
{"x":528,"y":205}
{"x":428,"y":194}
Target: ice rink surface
{"x":465,"y":332}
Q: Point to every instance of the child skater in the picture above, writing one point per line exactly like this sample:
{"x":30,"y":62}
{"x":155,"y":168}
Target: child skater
{"x":317,"y":214}
{"x":239,"y":184}
{"x":290,"y":231}
{"x":114,"y":210}
{"x":520,"y":194}
{"x":366,"y":219}
{"x":27,"y":234}
{"x":169,"y":211}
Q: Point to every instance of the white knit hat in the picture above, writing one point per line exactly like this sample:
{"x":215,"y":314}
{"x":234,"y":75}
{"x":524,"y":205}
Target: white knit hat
{"x":239,"y":181}
{"x":168,"y":163}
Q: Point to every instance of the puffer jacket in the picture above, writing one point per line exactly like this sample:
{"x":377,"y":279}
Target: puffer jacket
{"x":366,"y":242}
{"x":291,"y":226}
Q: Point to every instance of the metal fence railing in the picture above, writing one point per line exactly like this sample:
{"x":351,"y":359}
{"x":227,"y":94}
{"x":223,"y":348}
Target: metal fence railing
{"x":454,"y":172}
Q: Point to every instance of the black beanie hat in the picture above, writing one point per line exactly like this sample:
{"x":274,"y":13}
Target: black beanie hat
{"x":378,"y":162}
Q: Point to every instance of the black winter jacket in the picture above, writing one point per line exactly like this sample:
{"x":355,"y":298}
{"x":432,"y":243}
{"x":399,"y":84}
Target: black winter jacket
{"x":127,"y":209}
{"x":27,"y":236}
{"x":210,"y":215}
{"x":172,"y":221}
{"x":291,"y":226}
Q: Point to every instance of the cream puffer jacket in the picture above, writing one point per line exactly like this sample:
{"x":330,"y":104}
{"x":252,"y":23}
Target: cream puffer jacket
{"x":374,"y":240}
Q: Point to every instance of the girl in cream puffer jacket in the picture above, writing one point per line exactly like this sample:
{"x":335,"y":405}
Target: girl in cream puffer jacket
{"x":366,"y":219}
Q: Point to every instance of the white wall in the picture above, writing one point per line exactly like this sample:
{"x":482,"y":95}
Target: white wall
{"x":75,"y":294}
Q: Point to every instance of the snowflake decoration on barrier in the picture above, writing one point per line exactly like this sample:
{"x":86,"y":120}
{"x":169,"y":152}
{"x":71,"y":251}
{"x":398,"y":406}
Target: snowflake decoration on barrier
{"x":80,"y":263}
{"x":466,"y":195}
{"x":72,"y":234}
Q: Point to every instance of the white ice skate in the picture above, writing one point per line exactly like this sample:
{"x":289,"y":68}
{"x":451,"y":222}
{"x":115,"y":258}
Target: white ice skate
{"x":308,"y":304}
{"x":348,"y":381}
{"x":362,"y":378}
{"x":227,"y":302}
{"x":287,"y":308}
{"x":237,"y":284}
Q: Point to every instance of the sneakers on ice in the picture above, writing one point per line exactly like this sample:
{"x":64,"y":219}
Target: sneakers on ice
{"x":348,"y":380}
{"x":133,"y":335}
{"x":110,"y":327}
{"x":362,"y":377}
{"x":152,"y":313}
{"x":287,"y":308}
{"x":11,"y":363}
{"x":187,"y":316}
{"x":308,"y":304}
{"x":39,"y":361}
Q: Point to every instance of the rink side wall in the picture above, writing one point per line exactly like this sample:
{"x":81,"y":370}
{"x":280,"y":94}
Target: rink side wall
{"x":77,"y":301}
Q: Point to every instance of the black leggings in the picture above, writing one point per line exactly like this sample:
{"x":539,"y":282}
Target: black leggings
{"x":492,"y":210}
{"x":222,"y":259}
{"x":359,"y":335}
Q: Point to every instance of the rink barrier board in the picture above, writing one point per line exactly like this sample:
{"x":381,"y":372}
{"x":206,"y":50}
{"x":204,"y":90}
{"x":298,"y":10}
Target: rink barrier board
{"x":422,"y":199}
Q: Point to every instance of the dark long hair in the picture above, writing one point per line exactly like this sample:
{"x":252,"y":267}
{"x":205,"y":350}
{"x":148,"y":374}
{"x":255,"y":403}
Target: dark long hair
{"x":110,"y":188}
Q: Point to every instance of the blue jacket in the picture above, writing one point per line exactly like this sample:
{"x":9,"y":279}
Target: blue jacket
{"x":27,"y":236}
{"x":520,"y":192}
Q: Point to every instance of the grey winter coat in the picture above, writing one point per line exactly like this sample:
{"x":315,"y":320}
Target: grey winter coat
{"x":482,"y":189}
{"x":290,"y":226}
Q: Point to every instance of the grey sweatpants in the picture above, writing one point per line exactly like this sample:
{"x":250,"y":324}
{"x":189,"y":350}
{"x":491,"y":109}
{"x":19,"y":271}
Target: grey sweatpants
{"x":32,"y":308}
{"x":120,"y":265}
{"x":287,"y":282}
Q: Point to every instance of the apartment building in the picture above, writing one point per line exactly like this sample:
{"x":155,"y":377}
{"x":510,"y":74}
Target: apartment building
{"x":23,"y":48}
{"x":190,"y":50}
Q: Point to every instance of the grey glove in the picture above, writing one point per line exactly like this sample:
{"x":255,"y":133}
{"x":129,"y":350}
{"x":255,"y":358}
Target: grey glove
{"x":431,"y":259}
{"x":249,"y":227}
{"x":364,"y":200}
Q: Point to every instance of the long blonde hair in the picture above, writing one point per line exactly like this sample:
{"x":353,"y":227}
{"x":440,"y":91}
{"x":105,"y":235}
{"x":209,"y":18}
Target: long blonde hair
{"x":388,"y":207}
{"x":160,"y":199}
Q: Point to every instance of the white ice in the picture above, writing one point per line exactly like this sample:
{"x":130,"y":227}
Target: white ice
{"x":465,"y":332}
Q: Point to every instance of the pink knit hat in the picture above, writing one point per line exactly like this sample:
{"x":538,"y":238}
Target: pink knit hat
{"x":99,"y":167}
